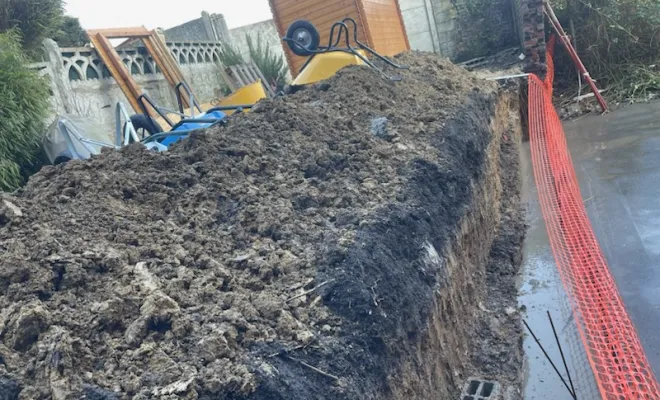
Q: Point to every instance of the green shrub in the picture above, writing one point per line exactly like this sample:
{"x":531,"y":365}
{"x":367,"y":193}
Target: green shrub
{"x":35,"y":19}
{"x":618,"y":41}
{"x":71,"y":33}
{"x":23,"y":109}
{"x":271,"y":65}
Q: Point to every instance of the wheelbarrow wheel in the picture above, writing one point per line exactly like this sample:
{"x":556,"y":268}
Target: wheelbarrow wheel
{"x":303,"y":38}
{"x":144,"y":126}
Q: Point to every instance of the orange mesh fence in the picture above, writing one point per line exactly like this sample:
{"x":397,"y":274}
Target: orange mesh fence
{"x":612,"y":346}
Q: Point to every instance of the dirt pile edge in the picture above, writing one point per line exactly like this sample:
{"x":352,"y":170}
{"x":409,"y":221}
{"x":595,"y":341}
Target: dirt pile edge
{"x":348,"y":241}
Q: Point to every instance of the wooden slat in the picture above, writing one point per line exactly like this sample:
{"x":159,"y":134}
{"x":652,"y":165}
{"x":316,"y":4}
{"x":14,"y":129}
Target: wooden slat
{"x":250,"y":73}
{"x":167,"y":59}
{"x":236,"y":76}
{"x":156,"y":48}
{"x":281,"y":29}
{"x":117,"y":69}
{"x":269,"y":90}
{"x":385,"y":26}
{"x":403,"y":25}
{"x":320,"y":18}
{"x":285,"y":4}
{"x":158,"y":59}
{"x":120,"y":33}
{"x":162,"y":61}
{"x":163,"y":58}
{"x":228,"y":79}
{"x":306,"y":8}
{"x":245,"y":75}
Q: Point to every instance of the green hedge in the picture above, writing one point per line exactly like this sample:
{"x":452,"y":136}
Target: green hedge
{"x":23,"y":110}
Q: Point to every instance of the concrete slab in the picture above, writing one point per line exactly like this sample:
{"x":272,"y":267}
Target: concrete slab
{"x":617,"y":160}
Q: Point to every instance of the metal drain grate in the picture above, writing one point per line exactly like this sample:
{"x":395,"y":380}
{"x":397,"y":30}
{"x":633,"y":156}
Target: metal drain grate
{"x":479,"y":389}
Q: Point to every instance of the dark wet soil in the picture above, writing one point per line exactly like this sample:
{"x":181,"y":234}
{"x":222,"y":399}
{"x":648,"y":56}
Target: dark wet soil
{"x":275,"y":258}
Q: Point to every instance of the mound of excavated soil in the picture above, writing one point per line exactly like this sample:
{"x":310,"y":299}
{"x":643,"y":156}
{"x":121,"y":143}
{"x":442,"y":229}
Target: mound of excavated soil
{"x":269,"y":259}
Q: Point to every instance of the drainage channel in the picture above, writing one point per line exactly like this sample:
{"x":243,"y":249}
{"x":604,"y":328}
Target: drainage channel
{"x":541,"y":291}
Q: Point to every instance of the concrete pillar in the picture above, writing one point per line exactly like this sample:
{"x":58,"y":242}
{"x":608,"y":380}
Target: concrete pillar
{"x":419,"y":19}
{"x":430,"y":15}
{"x":208,"y":27}
{"x":61,"y":86}
{"x":221,"y":28}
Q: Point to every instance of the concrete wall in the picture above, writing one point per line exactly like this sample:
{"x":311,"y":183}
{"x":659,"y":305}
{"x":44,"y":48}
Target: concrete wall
{"x":445,"y":16}
{"x":190,"y":31}
{"x":96,"y":98}
{"x":82,"y":85}
{"x":266,"y":30}
{"x":420,"y":24}
{"x":460,"y":29}
{"x":457,"y":29}
{"x":209,"y":27}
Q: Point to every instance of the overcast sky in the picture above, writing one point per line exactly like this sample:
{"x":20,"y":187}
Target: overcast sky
{"x":95,"y":14}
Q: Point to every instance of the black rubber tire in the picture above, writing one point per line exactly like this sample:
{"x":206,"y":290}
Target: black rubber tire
{"x":310,"y":29}
{"x":146,"y":124}
{"x":61,"y":160}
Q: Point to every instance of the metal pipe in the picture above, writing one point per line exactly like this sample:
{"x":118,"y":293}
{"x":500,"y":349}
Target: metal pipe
{"x":499,"y":78}
{"x":571,"y":52}
{"x":123,"y":131}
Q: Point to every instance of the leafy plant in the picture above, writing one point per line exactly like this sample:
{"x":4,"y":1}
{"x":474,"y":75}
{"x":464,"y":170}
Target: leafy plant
{"x":34,"y":19}
{"x":618,"y":41}
{"x":271,"y":65}
{"x":230,"y":55}
{"x":71,"y":33}
{"x":23,"y":109}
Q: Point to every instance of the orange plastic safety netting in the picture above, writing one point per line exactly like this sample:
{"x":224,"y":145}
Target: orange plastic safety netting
{"x":613,"y":349}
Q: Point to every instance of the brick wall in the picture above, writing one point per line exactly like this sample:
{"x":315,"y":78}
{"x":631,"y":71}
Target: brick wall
{"x":532,"y":34}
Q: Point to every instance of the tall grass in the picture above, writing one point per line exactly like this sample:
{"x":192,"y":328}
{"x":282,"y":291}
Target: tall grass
{"x":23,"y":109}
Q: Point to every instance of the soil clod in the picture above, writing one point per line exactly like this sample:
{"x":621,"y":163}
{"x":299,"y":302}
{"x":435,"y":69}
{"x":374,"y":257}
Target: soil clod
{"x":332,"y":244}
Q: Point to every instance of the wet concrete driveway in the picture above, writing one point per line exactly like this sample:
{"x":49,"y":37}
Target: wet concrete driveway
{"x":617,"y":161}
